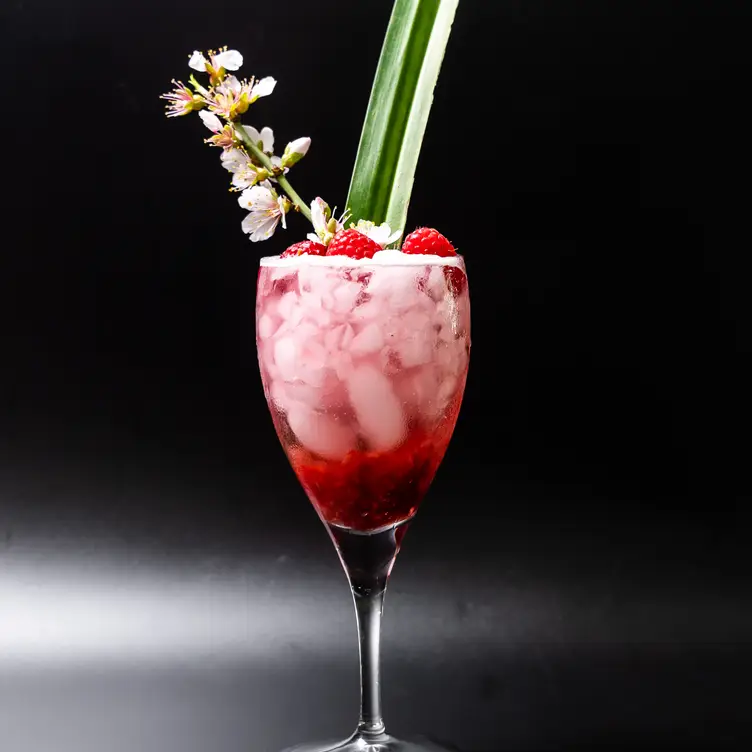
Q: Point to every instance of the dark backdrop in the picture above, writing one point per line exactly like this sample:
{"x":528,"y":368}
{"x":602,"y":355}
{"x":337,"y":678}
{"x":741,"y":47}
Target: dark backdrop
{"x":579,"y":576}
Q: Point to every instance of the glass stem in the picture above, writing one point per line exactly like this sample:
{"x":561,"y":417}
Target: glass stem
{"x":369,"y":609}
{"x":368,"y":560}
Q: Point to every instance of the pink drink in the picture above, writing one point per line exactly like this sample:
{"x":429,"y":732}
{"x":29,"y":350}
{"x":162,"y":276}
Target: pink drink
{"x":364,"y":364}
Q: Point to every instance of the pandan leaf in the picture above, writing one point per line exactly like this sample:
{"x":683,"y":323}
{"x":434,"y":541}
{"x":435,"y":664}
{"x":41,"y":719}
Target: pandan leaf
{"x":398,"y":110}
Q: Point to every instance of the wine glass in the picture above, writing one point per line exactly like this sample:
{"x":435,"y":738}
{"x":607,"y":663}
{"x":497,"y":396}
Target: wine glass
{"x":364,"y":364}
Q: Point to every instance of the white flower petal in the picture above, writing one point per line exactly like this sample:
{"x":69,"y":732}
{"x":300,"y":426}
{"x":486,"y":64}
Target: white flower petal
{"x":245,"y":200}
{"x":233,"y":159}
{"x":265,"y":230}
{"x":381,"y":234}
{"x":394,"y":236}
{"x":281,"y":205}
{"x":229,"y":60}
{"x":259,"y":197}
{"x":253,"y":134}
{"x":299,"y":146}
{"x":248,"y":224}
{"x":318,"y":216}
{"x":243,"y":180}
{"x":267,"y":136}
{"x":232,"y":84}
{"x":260,"y":225}
{"x":211,"y":121}
{"x":263,"y":88}
{"x":197,"y":62}
{"x":313,"y":237}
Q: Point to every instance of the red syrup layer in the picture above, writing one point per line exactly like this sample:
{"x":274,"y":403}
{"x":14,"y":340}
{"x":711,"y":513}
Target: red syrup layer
{"x":369,"y":490}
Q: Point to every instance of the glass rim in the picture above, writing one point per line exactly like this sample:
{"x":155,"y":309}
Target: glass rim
{"x":404,"y":259}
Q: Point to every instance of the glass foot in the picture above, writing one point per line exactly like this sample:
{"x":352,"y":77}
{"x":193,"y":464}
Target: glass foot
{"x":385,"y":743}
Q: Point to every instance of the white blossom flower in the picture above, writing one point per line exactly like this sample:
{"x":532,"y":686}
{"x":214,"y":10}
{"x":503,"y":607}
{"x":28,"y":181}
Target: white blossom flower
{"x":181,"y":100}
{"x":218,"y":63}
{"x":267,"y":209}
{"x":324,"y":224}
{"x":224,"y":133}
{"x":295,"y":151}
{"x":245,"y":174}
{"x":381,"y":234}
{"x":319,"y":218}
{"x":264,"y":140}
{"x":231,"y":98}
{"x":228,"y":59}
{"x":263,"y":88}
{"x":234,"y":160}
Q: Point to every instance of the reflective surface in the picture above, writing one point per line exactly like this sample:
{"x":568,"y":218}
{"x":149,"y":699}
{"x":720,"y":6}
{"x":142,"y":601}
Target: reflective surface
{"x":387,"y":744}
{"x":188,"y":633}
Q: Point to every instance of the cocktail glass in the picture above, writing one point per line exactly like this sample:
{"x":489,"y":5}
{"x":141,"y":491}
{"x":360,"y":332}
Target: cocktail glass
{"x":364,"y":364}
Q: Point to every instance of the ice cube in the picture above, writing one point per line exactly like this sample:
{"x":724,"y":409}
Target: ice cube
{"x":312,"y":362}
{"x":286,"y":358}
{"x":435,"y":286}
{"x":447,"y":389}
{"x":445,"y":357}
{"x":313,"y":309}
{"x":398,"y":285}
{"x":418,"y":389}
{"x":415,"y":339}
{"x":282,"y":330}
{"x":344,"y":297}
{"x":266,"y":327}
{"x":342,"y":364}
{"x":369,"y":340}
{"x":306,"y":331}
{"x":414,"y":351}
{"x":322,"y":317}
{"x":320,"y":433}
{"x":286,"y":305}
{"x":347,"y":336}
{"x":310,"y":278}
{"x":333,"y":338}
{"x":417,"y":321}
{"x":368,"y":311}
{"x":377,"y":409}
{"x":306,"y":394}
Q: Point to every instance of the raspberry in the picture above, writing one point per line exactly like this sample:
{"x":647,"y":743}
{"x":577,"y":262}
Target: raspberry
{"x":354,"y":244}
{"x":305,"y":247}
{"x":428,"y":240}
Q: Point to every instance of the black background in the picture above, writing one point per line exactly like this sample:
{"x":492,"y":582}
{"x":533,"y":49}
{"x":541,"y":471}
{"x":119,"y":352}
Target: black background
{"x":578,"y":577}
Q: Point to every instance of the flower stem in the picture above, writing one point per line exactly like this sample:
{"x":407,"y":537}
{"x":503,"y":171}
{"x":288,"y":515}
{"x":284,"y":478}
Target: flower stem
{"x":264,"y":160}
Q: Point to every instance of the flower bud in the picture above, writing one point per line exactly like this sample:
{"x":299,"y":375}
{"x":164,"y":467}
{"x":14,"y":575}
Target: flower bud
{"x":295,"y":151}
